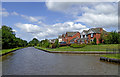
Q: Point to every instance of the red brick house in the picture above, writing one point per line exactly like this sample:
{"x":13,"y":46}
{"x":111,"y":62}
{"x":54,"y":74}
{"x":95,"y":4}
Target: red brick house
{"x":86,"y":36}
{"x":96,"y":33}
{"x":71,"y":37}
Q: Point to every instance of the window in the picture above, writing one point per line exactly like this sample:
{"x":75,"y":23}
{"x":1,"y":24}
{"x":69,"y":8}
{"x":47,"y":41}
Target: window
{"x":92,"y":35}
{"x":81,"y":36}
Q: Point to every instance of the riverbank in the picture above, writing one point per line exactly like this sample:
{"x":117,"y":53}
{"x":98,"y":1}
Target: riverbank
{"x":75,"y":52}
{"x":111,"y":58}
{"x":6,"y":51}
{"x":86,"y":48}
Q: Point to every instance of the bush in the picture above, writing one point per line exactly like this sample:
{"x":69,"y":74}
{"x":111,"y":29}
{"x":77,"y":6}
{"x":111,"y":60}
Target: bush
{"x":77,"y":45}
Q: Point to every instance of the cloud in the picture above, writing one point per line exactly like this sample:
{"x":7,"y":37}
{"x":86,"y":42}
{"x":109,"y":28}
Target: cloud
{"x":28,"y":27}
{"x":14,"y":13}
{"x":50,"y":31}
{"x":14,"y":30}
{"x":3,"y":12}
{"x":33,"y":19}
{"x":94,"y":14}
{"x":102,"y":15}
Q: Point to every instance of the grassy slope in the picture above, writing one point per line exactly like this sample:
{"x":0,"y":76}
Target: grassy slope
{"x":114,"y":56}
{"x":8,"y":50}
{"x":86,"y":48}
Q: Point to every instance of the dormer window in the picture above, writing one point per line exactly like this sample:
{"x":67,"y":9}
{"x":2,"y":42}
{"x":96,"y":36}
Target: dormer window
{"x":92,"y":35}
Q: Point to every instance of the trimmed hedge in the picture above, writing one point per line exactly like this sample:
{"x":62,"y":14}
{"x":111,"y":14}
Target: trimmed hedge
{"x":77,"y":45}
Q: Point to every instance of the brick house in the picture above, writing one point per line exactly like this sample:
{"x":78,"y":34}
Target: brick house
{"x":84,"y":37}
{"x":71,"y":37}
{"x":95,"y":33}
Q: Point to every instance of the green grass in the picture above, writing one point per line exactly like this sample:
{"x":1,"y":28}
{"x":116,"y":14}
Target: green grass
{"x":113,"y":56}
{"x":86,"y":48}
{"x":8,"y":50}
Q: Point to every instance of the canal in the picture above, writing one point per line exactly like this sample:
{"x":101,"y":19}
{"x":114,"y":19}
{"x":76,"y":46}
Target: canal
{"x":31,"y":61}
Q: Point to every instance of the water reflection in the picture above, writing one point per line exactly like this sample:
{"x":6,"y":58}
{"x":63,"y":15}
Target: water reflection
{"x":31,"y":61}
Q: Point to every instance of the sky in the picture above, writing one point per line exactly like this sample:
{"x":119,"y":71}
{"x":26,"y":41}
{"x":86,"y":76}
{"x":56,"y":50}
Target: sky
{"x":47,"y":20}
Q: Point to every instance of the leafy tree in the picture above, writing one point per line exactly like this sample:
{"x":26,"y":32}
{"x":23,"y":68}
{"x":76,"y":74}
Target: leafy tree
{"x":94,"y":40}
{"x":56,"y":43}
{"x":112,"y":38}
{"x":34,"y":42}
{"x":9,"y":40}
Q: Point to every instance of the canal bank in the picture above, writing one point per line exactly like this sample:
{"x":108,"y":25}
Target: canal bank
{"x":7,"y":51}
{"x":78,"y":52}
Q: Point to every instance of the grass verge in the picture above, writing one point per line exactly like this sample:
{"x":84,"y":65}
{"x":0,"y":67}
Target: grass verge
{"x":112,"y":56}
{"x":86,"y":48}
{"x":8,"y":50}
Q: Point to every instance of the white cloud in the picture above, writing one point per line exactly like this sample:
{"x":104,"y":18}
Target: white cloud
{"x":28,"y":27}
{"x":14,"y":13}
{"x":3,"y":12}
{"x":14,"y":30}
{"x":33,"y":19}
{"x":92,"y":14}
{"x":102,"y":15}
{"x":50,"y":31}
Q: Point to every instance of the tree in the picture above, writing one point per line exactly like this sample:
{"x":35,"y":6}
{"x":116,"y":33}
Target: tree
{"x":94,"y":40}
{"x":112,"y":38}
{"x":9,"y":40}
{"x":34,"y":42}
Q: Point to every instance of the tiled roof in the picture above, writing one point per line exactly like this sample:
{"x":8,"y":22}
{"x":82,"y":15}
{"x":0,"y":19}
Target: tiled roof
{"x":97,"y":30}
{"x":59,"y":36}
{"x":73,"y":39}
{"x":82,"y":39}
{"x":71,"y":33}
{"x":86,"y":31}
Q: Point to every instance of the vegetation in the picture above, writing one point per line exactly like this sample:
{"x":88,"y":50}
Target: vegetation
{"x":45,"y":43}
{"x":34,"y":42}
{"x":86,"y":48}
{"x":9,"y":40}
{"x":113,"y":56}
{"x":112,"y":38}
{"x":8,"y":50}
{"x":56,"y":44}
{"x":77,"y":45}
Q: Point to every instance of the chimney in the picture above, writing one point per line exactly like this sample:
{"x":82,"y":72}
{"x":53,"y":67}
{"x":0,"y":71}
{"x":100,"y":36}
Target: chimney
{"x":101,"y":29}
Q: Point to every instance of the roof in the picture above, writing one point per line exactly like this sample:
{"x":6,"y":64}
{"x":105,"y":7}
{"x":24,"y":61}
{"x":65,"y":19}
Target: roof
{"x":59,"y":36}
{"x":71,"y":33}
{"x":86,"y":31}
{"x":63,"y":35}
{"x":97,"y":30}
{"x":74,"y":39}
{"x":82,"y":39}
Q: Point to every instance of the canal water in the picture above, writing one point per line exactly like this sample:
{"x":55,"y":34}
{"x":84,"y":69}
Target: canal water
{"x":31,"y":61}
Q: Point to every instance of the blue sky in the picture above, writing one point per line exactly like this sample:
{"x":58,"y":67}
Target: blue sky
{"x":50,"y":19}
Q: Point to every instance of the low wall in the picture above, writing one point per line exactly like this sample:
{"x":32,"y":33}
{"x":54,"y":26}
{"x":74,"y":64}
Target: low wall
{"x":78,"y":52}
{"x":110,"y":60}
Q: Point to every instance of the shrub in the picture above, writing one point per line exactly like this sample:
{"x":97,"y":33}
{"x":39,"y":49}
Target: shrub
{"x":77,"y":45}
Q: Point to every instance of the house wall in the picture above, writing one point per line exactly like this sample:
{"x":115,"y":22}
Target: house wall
{"x":95,"y":35}
{"x":67,"y":39}
{"x":60,"y":39}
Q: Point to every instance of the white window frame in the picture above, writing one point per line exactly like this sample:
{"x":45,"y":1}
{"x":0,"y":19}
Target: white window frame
{"x":92,"y":35}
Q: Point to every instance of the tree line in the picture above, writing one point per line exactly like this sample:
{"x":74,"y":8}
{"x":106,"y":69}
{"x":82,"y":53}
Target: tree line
{"x":9,"y":40}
